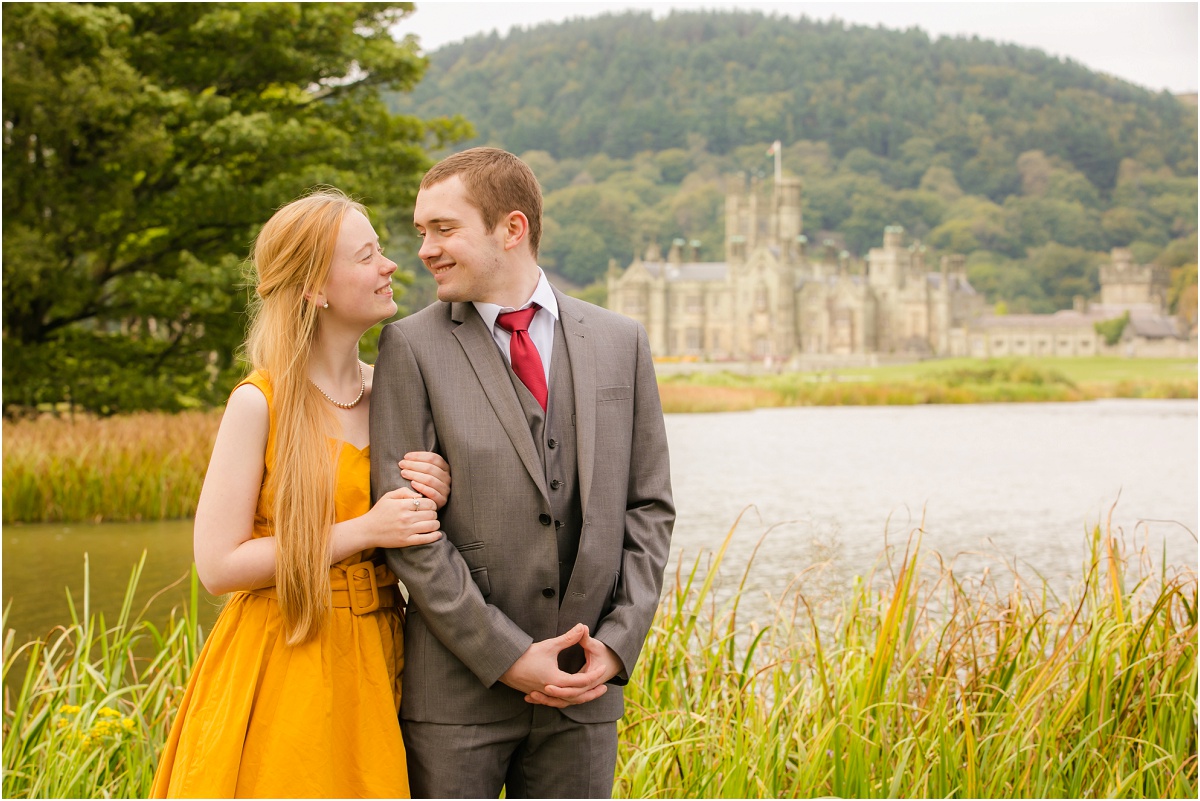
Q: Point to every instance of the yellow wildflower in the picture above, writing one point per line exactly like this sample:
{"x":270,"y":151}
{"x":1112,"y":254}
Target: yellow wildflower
{"x":70,"y":709}
{"x":108,"y":712}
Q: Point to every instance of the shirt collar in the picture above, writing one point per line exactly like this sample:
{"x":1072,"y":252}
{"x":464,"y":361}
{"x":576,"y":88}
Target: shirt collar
{"x":543,"y":295}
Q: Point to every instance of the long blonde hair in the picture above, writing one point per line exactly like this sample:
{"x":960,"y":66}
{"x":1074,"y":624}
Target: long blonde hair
{"x":291,"y":259}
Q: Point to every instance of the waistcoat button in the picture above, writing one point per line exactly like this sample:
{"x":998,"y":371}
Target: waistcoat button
{"x":544,"y":519}
{"x":553,"y":443}
{"x":548,"y":592}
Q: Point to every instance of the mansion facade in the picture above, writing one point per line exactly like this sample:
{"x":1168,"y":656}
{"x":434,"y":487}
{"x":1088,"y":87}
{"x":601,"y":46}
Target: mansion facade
{"x":775,"y":299}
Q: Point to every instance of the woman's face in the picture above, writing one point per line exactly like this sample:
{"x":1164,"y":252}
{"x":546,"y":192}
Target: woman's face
{"x":360,"y":278}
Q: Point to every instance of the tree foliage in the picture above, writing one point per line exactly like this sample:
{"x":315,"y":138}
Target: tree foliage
{"x":1111,"y":330}
{"x":972,"y":146}
{"x":144,"y":144}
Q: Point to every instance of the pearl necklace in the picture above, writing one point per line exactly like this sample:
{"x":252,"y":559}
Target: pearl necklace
{"x":361,"y":391}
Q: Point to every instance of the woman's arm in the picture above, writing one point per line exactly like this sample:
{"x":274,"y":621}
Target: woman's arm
{"x":229,"y":558}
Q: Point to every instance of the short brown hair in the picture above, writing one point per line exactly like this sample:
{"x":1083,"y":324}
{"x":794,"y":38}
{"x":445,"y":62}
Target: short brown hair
{"x":497,"y":182}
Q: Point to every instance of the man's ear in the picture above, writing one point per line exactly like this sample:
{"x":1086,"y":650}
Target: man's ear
{"x":516,"y":229}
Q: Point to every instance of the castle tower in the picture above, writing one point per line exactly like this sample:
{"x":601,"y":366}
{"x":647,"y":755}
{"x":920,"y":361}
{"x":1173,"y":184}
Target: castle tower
{"x":788,"y":217}
{"x":886,"y":266}
{"x":1123,"y":283}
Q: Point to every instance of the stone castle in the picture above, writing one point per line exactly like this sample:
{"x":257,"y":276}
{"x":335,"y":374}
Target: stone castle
{"x":776,"y":299}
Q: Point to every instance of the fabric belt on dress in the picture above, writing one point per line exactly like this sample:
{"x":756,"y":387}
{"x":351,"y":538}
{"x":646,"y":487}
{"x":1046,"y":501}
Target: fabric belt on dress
{"x":362,"y":588}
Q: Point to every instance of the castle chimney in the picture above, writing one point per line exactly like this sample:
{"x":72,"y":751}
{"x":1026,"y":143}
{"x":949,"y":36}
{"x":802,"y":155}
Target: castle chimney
{"x":676,"y":254}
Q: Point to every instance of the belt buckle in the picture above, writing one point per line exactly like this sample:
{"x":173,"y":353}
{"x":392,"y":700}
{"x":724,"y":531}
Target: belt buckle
{"x":352,"y":588}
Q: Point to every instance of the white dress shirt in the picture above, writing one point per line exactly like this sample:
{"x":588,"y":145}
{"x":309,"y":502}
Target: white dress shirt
{"x":541,"y":328}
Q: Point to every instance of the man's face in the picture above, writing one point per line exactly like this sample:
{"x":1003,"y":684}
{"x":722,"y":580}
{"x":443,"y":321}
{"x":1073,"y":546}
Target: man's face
{"x":465,"y":259}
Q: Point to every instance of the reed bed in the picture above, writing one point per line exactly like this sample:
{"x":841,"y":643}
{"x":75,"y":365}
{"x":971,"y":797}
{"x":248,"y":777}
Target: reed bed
{"x":922,"y":684}
{"x":87,"y":708}
{"x":151,"y":466}
{"x":690,"y":398}
{"x":993,"y":381}
{"x":142,"y":466}
{"x":912,"y":682}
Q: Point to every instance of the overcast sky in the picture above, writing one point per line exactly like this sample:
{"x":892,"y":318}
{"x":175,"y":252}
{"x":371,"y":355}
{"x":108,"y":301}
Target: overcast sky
{"x":1149,"y":44}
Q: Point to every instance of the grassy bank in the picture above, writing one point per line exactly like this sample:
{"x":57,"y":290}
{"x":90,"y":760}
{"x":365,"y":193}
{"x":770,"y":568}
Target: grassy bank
{"x":942,"y":381}
{"x":151,"y":466}
{"x":913,"y":683}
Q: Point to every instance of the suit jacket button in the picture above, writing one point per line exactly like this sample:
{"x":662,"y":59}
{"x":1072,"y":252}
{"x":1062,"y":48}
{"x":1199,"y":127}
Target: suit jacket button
{"x":553,"y":443}
{"x":555,"y":484}
{"x":548,"y":592}
{"x":544,"y":519}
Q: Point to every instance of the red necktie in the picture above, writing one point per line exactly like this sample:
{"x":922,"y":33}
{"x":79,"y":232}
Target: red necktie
{"x":526,"y":362}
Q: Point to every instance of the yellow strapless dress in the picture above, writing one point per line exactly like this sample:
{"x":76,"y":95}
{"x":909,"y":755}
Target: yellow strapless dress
{"x":261,"y":718}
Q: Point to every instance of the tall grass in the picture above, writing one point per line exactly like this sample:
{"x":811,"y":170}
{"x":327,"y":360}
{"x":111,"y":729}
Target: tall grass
{"x":912,"y":682}
{"x":960,"y":381}
{"x":138,"y":467}
{"x":87,"y":708}
{"x":921,"y":684}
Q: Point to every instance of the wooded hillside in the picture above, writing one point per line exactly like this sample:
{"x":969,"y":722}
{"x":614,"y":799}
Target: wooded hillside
{"x":1032,"y":166}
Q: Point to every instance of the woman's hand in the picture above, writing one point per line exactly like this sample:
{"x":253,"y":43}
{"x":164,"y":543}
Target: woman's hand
{"x":402,"y":518}
{"x":429,"y":474}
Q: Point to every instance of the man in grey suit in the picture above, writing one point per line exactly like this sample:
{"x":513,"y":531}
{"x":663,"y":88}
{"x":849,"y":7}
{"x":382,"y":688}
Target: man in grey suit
{"x":526,"y":618}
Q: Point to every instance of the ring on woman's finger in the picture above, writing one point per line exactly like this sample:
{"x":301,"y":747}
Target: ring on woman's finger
{"x":416,"y":504}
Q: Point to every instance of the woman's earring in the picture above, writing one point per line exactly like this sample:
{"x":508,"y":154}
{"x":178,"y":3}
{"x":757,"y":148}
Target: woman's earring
{"x":326,"y":306}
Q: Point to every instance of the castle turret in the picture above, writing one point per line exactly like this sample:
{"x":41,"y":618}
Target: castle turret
{"x":886,"y":266}
{"x":789,"y":219}
{"x":1123,"y":283}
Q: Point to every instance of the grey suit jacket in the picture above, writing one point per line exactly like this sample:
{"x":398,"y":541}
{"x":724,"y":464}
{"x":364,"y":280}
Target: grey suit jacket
{"x":476,"y":595}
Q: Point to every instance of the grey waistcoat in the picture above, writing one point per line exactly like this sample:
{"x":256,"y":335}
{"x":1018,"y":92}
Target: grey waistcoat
{"x":557,"y":425}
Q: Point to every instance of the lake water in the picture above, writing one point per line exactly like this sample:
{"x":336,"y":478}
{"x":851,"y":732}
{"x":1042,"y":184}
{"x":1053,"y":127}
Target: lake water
{"x":988,"y":484}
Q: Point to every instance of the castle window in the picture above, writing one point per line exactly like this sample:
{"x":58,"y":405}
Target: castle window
{"x":760,"y":299}
{"x":694,"y":304}
{"x":693,"y":339}
{"x":635,"y":303}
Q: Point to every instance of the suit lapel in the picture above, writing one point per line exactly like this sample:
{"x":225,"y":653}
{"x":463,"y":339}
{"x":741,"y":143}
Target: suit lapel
{"x":485,"y":358}
{"x":583,"y":374}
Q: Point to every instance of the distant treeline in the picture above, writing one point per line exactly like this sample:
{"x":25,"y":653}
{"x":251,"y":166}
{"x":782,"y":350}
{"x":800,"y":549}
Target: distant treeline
{"x":1032,"y":166}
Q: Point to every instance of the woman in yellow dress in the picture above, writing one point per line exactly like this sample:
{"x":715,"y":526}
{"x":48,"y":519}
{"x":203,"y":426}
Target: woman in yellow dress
{"x":296,"y":691}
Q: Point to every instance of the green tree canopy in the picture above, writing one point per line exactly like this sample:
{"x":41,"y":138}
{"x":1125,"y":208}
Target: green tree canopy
{"x":144,"y":144}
